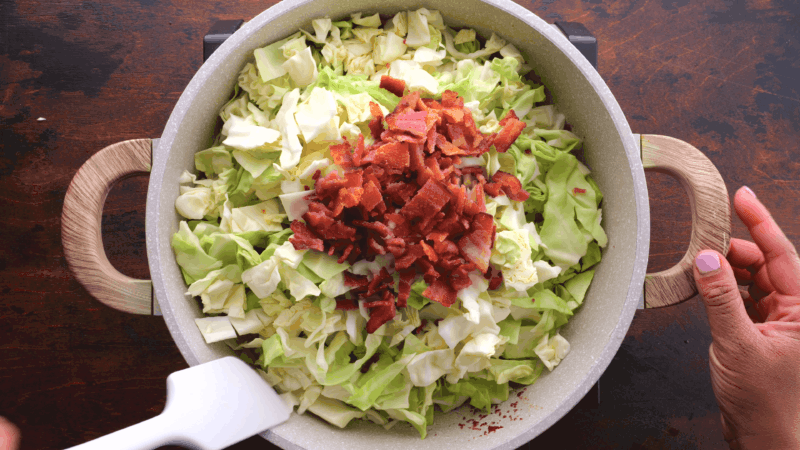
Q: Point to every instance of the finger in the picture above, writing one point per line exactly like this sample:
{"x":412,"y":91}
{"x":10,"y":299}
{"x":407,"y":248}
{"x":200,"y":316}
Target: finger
{"x":779,"y":254}
{"x":9,"y":435}
{"x":748,"y":264}
{"x":751,"y":306}
{"x":743,"y":276}
{"x":777,"y":307}
{"x":727,"y":317}
{"x":782,"y":330}
{"x":727,"y":433}
{"x":745,"y":254}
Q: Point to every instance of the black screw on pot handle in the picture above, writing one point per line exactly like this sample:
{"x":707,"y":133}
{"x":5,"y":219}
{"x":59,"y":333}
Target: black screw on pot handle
{"x":581,"y":38}
{"x":219,"y":32}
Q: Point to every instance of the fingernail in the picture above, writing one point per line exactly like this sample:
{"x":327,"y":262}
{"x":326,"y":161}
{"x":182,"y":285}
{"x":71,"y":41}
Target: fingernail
{"x":707,"y":262}
{"x":749,"y":191}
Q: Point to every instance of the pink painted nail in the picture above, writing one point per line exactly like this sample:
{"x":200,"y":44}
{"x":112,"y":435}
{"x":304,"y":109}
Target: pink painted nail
{"x":749,"y":191}
{"x":707,"y":262}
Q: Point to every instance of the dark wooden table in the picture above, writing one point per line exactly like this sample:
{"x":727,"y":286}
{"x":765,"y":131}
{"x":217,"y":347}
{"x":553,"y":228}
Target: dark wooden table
{"x":76,"y":76}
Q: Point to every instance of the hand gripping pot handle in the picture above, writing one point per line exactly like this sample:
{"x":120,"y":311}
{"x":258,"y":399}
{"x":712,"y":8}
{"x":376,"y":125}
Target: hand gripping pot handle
{"x":81,"y":226}
{"x":711,"y":214}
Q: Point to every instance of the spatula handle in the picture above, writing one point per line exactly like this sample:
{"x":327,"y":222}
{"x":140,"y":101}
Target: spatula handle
{"x":147,"y":435}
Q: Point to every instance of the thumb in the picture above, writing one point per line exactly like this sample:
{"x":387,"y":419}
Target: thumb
{"x":9,"y":435}
{"x":716,"y":283}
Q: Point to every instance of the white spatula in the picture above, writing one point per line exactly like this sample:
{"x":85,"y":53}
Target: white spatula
{"x":209,"y":407}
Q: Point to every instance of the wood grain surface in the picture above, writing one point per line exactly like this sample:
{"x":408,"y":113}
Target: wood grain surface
{"x":77,"y":76}
{"x":81,"y":225}
{"x":710,"y":208}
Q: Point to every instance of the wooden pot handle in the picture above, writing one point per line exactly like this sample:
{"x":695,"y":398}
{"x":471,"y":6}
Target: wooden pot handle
{"x":711,"y":214}
{"x":81,"y":226}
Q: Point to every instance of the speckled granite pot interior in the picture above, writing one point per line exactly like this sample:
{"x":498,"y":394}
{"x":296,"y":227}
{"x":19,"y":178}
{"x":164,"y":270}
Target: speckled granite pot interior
{"x":597,"y":330}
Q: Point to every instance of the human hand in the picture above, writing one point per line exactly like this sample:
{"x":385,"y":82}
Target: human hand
{"x":9,"y":435}
{"x":755,"y":359}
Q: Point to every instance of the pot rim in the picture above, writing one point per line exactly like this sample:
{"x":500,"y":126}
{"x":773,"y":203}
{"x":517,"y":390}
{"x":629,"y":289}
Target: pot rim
{"x":631,"y":148}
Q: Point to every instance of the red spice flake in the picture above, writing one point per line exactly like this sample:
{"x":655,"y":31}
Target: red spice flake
{"x":578,"y":191}
{"x":393,"y":85}
{"x":492,"y":429}
{"x":404,"y":195}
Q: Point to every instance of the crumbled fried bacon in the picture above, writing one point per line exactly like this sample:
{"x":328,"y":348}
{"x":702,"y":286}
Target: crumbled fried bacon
{"x":505,"y":183}
{"x":404,"y":196}
{"x":393,"y":85}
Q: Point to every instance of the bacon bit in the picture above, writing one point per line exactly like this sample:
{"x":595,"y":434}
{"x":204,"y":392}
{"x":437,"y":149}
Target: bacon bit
{"x":505,"y":183}
{"x":304,"y":238}
{"x":404,"y":288}
{"x":512,"y":128}
{"x":393,"y":155}
{"x":428,"y":251}
{"x":346,"y":304}
{"x":430,"y":199}
{"x":495,"y":280}
{"x":578,"y":191}
{"x":476,"y":245}
{"x":404,"y":195}
{"x":376,"y":124}
{"x":372,"y":196}
{"x":353,"y":280}
{"x":413,"y":122}
{"x":379,"y":315}
{"x":393,"y":85}
{"x":441,"y":292}
{"x":346,"y":253}
{"x":459,"y":278}
{"x":451,"y":99}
